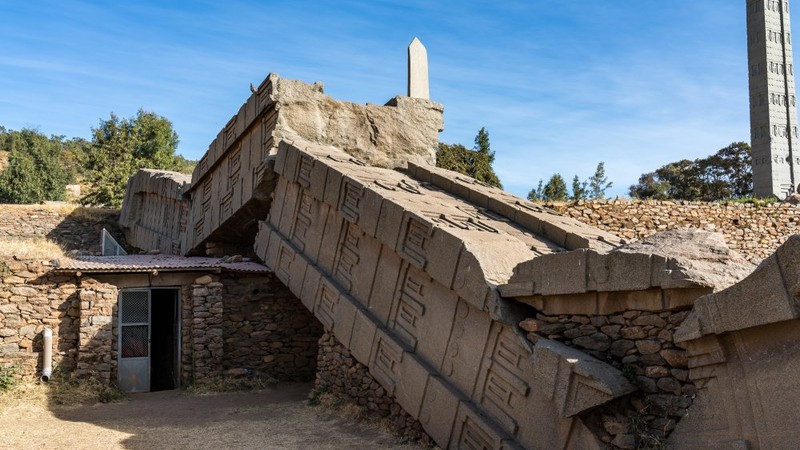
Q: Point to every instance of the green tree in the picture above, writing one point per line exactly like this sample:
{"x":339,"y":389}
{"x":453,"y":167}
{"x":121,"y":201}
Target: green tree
{"x":579,"y":191}
{"x":537,"y":194}
{"x":725,"y":174}
{"x":598,"y":183}
{"x":556,"y":189}
{"x":35,"y":172}
{"x":120,"y":147}
{"x":649,"y":186}
{"x":476,"y":163}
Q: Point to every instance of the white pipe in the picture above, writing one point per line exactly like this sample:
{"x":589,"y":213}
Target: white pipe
{"x":47,"y":354}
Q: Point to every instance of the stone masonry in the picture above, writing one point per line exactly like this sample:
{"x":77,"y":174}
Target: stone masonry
{"x":753,"y":230}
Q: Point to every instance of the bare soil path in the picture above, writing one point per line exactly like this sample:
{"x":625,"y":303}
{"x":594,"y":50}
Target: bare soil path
{"x":276,"y":418}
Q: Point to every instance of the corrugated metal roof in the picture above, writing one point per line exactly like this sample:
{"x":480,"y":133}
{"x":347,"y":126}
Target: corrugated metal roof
{"x":149,"y":263}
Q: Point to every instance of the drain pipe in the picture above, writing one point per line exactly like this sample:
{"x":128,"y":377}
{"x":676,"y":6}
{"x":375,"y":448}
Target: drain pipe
{"x":47,"y":354}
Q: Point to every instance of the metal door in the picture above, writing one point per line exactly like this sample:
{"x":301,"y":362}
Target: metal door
{"x":134,"y":340}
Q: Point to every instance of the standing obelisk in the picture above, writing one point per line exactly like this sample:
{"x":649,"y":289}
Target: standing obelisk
{"x":418,"y":70}
{"x":773,"y":111}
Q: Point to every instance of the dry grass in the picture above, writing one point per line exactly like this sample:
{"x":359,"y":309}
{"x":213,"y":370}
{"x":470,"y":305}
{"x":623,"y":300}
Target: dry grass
{"x":219,"y":385}
{"x":73,"y":210}
{"x":60,"y":391}
{"x":33,"y":248}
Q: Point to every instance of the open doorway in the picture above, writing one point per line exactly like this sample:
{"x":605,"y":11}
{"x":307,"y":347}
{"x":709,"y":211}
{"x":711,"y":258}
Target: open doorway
{"x":164,"y":339}
{"x":149,"y":339}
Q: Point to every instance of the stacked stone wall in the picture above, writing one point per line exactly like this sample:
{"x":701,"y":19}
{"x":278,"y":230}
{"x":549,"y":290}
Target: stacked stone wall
{"x":754,"y":230}
{"x":72,"y":228}
{"x":639,"y":344}
{"x":268,"y":330}
{"x":80,"y":315}
{"x":340,"y":375}
{"x":202,"y":353}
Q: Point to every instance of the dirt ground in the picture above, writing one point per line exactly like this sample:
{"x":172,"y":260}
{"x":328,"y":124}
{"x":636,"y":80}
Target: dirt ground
{"x":274,"y":418}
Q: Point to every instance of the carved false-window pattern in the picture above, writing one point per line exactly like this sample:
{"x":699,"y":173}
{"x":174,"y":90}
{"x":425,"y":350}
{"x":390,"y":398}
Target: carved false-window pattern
{"x":326,"y":307}
{"x":348,"y":255}
{"x":416,"y":236}
{"x":302,"y":220}
{"x":351,"y":196}
{"x":304,"y":174}
{"x":504,"y":386}
{"x":410,"y":307}
{"x":386,"y":363}
{"x":473,"y":437}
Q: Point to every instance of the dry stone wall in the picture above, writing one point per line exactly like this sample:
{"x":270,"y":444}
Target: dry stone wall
{"x":755,"y":231}
{"x":341,"y":375}
{"x":73,"y":228}
{"x":267,"y":330}
{"x":640,"y":344}
{"x":81,"y":317}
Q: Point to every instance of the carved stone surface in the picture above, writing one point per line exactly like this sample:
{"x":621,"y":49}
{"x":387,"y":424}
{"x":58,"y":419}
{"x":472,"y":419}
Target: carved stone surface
{"x":403,"y":271}
{"x":773,"y":110}
{"x":487,"y":318}
{"x":153,"y":215}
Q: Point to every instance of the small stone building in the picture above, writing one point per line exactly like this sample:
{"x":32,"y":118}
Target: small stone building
{"x":154,"y":322}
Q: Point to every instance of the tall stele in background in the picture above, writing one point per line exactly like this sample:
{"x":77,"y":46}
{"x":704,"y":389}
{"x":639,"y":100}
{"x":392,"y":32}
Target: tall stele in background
{"x":773,"y":114}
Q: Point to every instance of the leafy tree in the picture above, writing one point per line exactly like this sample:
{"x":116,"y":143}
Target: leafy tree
{"x":476,"y":163}
{"x":598,"y":183}
{"x":538,"y":193}
{"x":726,"y":174}
{"x":482,"y":143}
{"x":556,"y":189}
{"x":35,"y":171}
{"x":650,"y":186}
{"x":579,"y":191}
{"x":120,"y":147}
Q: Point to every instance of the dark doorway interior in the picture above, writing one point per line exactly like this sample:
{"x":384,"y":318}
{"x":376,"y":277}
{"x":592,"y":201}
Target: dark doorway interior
{"x":164,"y":338}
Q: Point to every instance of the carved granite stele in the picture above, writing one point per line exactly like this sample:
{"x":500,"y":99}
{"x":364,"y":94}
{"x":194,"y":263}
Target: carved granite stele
{"x":425,"y":276}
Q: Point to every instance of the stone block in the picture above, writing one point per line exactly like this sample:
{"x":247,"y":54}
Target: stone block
{"x":575,"y":381}
{"x":473,"y":430}
{"x":364,"y":271}
{"x":618,"y":271}
{"x":759,"y":299}
{"x":443,"y":249}
{"x":466,"y":345}
{"x":335,"y":226}
{"x":469,"y":282}
{"x":319,"y":180}
{"x":413,"y":239}
{"x":562,"y":273}
{"x":291,"y":202}
{"x":384,"y":285}
{"x":370,"y":211}
{"x":344,"y":316}
{"x":412,"y":382}
{"x":333,"y":185}
{"x":581,"y":304}
{"x":389,"y":223}
{"x":362,"y":339}
{"x":439,"y":409}
{"x":297,"y":274}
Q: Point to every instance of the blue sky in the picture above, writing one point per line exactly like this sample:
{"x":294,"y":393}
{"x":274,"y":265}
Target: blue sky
{"x":560,"y":85}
